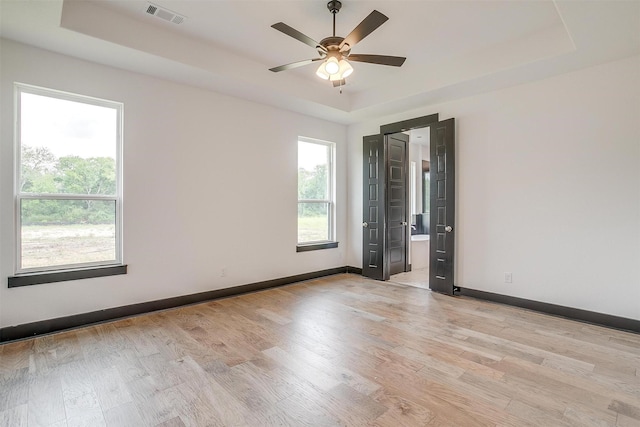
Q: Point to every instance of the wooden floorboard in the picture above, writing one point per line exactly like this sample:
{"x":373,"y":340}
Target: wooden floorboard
{"x":337,"y":351}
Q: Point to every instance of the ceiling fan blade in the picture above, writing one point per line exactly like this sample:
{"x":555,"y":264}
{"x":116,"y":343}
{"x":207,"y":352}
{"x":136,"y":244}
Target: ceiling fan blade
{"x":292,"y":32}
{"x":339,"y":83}
{"x":294,"y":65}
{"x":394,"y":61}
{"x":366,"y":27}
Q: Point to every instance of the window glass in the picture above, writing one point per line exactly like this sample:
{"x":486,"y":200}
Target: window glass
{"x":86,"y":234}
{"x":313,"y":222}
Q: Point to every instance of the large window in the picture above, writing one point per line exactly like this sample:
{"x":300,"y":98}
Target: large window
{"x":316,"y":204}
{"x":68,"y":181}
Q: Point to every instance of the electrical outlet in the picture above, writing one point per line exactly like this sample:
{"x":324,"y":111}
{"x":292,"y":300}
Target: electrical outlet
{"x":223,"y":272}
{"x":508,"y":277}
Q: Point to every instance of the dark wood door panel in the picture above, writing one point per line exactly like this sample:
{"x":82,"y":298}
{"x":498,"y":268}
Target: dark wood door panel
{"x":373,"y":210}
{"x":398,"y":146}
{"x":442,"y":211}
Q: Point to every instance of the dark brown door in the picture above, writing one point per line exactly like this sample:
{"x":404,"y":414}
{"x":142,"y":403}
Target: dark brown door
{"x":397,"y":229}
{"x":373,"y":209}
{"x":442,"y":207}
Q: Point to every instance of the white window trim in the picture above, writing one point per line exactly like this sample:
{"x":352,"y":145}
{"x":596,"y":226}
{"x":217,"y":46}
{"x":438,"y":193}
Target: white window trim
{"x":331,"y":191}
{"x":18,"y":196}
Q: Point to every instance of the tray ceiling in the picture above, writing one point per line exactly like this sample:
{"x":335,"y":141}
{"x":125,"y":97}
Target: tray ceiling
{"x":453,"y":48}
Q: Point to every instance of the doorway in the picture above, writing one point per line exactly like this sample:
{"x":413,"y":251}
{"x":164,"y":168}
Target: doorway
{"x":438,"y":224}
{"x":418,"y":215}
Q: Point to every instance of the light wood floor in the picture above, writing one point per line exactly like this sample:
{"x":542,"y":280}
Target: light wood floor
{"x":338,"y":351}
{"x":417,"y":278}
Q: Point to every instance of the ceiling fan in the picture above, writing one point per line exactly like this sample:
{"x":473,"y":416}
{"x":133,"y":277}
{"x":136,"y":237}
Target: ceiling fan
{"x":335,"y":52}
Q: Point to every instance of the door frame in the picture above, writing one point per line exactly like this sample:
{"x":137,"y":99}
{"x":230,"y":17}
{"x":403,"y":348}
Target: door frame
{"x":399,"y":127}
{"x":405,"y":125}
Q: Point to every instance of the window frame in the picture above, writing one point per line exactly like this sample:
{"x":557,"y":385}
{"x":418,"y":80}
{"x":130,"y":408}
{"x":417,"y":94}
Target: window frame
{"x":329,"y":201}
{"x":19,"y":196}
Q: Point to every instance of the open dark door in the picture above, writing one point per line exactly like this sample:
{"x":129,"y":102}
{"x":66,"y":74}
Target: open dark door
{"x":373,"y":209}
{"x":442,"y":207}
{"x":397,"y":229}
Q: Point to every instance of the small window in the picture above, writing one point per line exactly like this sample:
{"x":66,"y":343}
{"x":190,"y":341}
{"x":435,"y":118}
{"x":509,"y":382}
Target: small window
{"x":316,"y":203}
{"x":68,"y":181}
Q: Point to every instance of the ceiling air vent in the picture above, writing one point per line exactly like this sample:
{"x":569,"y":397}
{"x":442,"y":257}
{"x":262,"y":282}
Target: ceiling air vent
{"x":165,"y":14}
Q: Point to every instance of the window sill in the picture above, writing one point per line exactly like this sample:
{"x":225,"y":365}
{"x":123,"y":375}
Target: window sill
{"x":63,"y":276}
{"x":315,"y":246}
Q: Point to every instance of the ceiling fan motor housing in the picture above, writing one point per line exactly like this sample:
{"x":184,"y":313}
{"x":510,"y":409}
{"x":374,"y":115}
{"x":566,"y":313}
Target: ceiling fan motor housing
{"x":332,"y":45}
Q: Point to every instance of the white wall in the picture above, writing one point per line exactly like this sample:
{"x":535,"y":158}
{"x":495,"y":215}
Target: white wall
{"x":415,"y":155}
{"x":548,"y":188}
{"x":209,"y":183}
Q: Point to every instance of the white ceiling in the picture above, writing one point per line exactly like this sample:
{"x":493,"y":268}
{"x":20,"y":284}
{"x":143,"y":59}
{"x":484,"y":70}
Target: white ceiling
{"x":453,"y":48}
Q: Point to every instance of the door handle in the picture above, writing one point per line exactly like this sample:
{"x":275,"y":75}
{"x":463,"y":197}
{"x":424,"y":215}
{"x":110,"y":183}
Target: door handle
{"x":404,"y":223}
{"x":365,"y":224}
{"x":448,"y":229}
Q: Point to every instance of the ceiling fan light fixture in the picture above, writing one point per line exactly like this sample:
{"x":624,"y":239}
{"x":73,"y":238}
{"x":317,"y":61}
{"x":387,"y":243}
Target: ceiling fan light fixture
{"x":322,"y":73}
{"x":331,"y":66}
{"x":345,"y":69}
